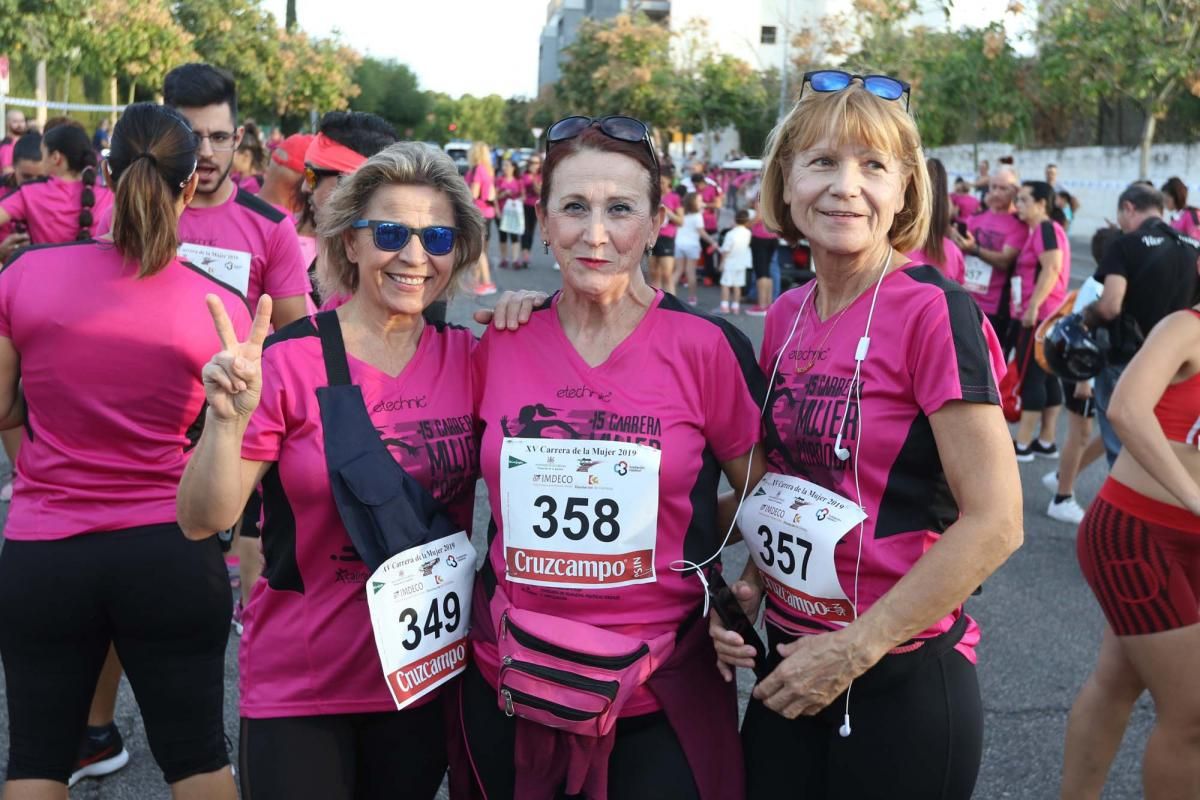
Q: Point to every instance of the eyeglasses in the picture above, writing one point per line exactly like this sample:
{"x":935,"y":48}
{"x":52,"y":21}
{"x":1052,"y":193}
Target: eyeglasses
{"x":623,"y":129}
{"x":438,"y":240}
{"x":313,"y":175}
{"x":834,"y":80}
{"x":221,"y":141}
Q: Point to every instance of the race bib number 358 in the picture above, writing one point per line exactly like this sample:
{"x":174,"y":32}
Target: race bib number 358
{"x":420,"y":603}
{"x":579,"y":514}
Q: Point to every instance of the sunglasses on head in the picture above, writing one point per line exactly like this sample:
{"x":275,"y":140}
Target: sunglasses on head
{"x":313,"y":175}
{"x":621,"y":128}
{"x":438,"y":240}
{"x":834,"y":80}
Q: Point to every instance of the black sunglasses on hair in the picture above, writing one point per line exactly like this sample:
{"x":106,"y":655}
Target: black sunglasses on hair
{"x":621,"y":128}
{"x":438,"y":240}
{"x":835,"y":80}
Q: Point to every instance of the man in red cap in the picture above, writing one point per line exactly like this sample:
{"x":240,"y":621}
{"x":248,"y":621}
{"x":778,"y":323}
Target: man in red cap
{"x":285,"y":173}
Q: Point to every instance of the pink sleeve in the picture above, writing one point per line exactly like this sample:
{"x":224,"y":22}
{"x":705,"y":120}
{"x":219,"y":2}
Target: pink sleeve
{"x":14,"y":206}
{"x":8,"y":287}
{"x":1016,"y":239}
{"x":733,"y":390}
{"x":285,"y":274}
{"x":268,"y":425}
{"x":953,"y":354}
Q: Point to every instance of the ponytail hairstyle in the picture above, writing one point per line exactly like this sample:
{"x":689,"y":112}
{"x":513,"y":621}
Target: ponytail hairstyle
{"x":70,"y":139}
{"x":939,"y":218}
{"x":1044,"y":193}
{"x":152,"y":158}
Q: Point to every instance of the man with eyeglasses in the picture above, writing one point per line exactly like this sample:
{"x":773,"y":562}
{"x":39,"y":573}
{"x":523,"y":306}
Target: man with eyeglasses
{"x":993,"y":241}
{"x":232,"y":234}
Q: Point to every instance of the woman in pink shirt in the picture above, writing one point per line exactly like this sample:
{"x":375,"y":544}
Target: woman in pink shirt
{"x":65,"y":206}
{"x":531,"y":185}
{"x":509,"y":189}
{"x":107,"y":341}
{"x":662,"y":255}
{"x":358,"y":422}
{"x":938,"y":248}
{"x":482,"y":182}
{"x":1175,"y":198}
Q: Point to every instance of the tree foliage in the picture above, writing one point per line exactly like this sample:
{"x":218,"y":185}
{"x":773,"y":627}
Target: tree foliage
{"x":1145,"y":51}
{"x":392,"y":91}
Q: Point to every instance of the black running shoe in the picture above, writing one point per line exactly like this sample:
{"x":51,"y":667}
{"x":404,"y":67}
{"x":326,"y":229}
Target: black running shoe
{"x":100,"y":755}
{"x":1043,"y":450}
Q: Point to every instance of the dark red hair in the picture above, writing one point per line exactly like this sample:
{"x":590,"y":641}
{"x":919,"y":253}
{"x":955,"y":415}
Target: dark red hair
{"x":595,"y":139}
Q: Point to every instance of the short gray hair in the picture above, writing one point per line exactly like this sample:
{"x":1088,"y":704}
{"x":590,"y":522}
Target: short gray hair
{"x":400,"y":164}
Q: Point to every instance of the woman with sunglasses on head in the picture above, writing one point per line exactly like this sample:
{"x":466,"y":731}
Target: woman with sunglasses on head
{"x":65,"y":205}
{"x":1139,"y":550}
{"x":101,"y":349}
{"x":608,"y":420}
{"x":893,"y":494}
{"x":362,"y":393}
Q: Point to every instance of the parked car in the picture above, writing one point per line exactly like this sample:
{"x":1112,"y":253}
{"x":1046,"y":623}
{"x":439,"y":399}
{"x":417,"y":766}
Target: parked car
{"x":459,"y":152}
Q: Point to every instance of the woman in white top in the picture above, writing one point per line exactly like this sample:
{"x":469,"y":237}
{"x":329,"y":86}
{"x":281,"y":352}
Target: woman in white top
{"x":687,"y":242}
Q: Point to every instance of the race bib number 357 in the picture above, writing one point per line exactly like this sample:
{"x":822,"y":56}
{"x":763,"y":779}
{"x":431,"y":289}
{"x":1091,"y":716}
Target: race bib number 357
{"x":791,"y":527}
{"x":420,"y":603}
{"x":578,"y":513}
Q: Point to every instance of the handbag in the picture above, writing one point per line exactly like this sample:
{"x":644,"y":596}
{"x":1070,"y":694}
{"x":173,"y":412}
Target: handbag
{"x":512,"y":218}
{"x":1012,"y":383}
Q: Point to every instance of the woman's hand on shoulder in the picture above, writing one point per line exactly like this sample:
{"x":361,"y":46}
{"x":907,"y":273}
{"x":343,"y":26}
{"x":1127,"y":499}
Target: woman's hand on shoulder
{"x":512,"y":310}
{"x":233,"y":378}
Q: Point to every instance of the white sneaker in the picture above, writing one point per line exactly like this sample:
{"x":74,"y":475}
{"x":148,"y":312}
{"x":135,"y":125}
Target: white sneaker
{"x":1050,"y":480}
{"x":1066,"y":511}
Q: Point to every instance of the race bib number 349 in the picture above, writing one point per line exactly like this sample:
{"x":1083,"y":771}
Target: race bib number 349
{"x":579,"y":514}
{"x":420,"y":603}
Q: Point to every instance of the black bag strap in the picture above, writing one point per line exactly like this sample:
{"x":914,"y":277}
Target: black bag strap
{"x":333,"y":349}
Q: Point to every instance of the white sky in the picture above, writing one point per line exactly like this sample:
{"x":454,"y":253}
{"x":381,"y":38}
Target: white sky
{"x":482,"y":47}
{"x":477,"y":47}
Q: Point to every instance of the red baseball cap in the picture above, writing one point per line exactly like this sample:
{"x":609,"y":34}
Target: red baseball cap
{"x":290,"y":152}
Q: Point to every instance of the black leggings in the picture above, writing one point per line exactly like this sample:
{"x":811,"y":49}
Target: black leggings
{"x":919,"y":739}
{"x":1041,"y":390}
{"x":761,"y":253}
{"x":378,"y":756}
{"x":646,"y":762}
{"x":530,"y":226}
{"x":162,"y":600}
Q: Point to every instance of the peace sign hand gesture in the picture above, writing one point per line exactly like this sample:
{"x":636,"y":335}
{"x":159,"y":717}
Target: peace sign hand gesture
{"x":233,"y":378}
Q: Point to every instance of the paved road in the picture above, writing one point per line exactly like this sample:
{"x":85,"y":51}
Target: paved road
{"x":1040,"y":626}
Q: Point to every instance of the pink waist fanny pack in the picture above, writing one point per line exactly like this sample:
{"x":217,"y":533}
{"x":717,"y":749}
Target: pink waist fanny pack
{"x":565,"y":674}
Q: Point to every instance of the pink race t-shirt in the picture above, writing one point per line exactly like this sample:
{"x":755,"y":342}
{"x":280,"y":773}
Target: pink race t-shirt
{"x":670,"y":200}
{"x":250,"y":226}
{"x":531,"y":184}
{"x":1188,"y":222}
{"x":992,"y":231}
{"x":50,"y":208}
{"x":681,"y":384}
{"x":509,"y":189}
{"x":1046,"y":237}
{"x":6,"y":150}
{"x":759,"y":230}
{"x":487,"y":184}
{"x":307,"y":648}
{"x":953,"y":265}
{"x":110,"y":368}
{"x":929,"y":346}
{"x":967,"y":204}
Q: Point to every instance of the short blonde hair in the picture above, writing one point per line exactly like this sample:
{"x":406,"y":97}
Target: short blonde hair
{"x":480,"y":154}
{"x":851,"y":115}
{"x":401,"y":164}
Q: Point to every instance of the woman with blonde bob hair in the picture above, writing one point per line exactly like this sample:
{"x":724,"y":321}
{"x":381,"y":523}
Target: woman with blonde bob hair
{"x":337,"y":415}
{"x":893,"y":491}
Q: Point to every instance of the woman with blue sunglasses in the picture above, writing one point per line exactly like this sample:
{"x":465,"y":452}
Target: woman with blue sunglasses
{"x":893,"y":492}
{"x":359,"y":424}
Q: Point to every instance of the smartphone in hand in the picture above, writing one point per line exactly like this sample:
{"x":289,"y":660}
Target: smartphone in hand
{"x":733,"y":618}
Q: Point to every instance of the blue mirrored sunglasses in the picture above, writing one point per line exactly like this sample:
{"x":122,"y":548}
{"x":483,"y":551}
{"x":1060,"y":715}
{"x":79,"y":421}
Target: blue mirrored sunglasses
{"x":834,"y":80}
{"x":438,"y":240}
